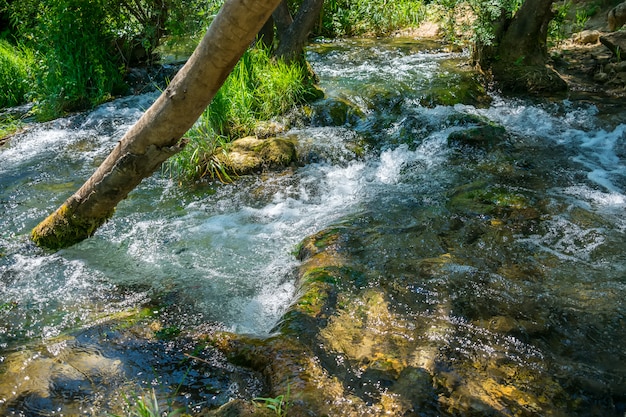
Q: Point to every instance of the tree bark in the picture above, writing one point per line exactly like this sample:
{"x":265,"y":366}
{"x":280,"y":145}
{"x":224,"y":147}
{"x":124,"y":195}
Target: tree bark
{"x":282,"y":18}
{"x":518,"y":60}
{"x":525,"y":40}
{"x":157,"y":134}
{"x":294,"y":36}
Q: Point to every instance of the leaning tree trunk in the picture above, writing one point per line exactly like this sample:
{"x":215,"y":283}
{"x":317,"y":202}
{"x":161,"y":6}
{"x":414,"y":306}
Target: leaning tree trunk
{"x":157,"y":134}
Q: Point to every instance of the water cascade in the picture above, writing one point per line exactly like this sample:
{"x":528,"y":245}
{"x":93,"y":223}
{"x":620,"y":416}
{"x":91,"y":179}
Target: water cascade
{"x":440,"y":251}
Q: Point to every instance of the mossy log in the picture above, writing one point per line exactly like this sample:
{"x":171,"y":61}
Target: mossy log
{"x":157,"y":134}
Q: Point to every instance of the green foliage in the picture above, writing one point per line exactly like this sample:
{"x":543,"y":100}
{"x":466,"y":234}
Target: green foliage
{"x":189,"y":17}
{"x":148,"y":407}
{"x":259,"y":88}
{"x":581,"y":19}
{"x":15,"y":62}
{"x":8,"y":126}
{"x":489,"y":15}
{"x":71,"y":39}
{"x":583,"y":15}
{"x":81,"y":47}
{"x":279,"y":404}
{"x":377,"y":17}
{"x":557,"y":28}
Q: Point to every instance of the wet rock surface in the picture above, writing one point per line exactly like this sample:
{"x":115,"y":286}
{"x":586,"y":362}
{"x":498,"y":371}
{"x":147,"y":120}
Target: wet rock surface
{"x":445,"y":309}
{"x":109,"y":367}
{"x":479,"y":271}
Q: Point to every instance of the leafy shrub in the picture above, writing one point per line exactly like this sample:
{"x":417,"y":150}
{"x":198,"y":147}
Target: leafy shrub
{"x":557,"y":28}
{"x":376,"y":17}
{"x":74,"y":65}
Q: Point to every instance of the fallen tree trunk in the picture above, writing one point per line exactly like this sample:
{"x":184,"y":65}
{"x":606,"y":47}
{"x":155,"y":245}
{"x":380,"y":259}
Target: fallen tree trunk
{"x":157,"y":134}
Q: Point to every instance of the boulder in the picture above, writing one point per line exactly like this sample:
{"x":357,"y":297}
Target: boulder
{"x":486,"y":136}
{"x":616,"y":42}
{"x":250,"y":154}
{"x":617,"y":17}
{"x":587,"y":37}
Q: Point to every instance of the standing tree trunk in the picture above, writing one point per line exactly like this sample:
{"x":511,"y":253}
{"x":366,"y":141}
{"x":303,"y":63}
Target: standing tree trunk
{"x":157,"y":134}
{"x":525,"y":40}
{"x":518,"y":60}
{"x":294,"y":33}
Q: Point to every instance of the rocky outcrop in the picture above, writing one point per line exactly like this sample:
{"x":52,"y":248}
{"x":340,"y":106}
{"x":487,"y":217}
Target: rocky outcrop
{"x":616,"y":42}
{"x":486,"y":136}
{"x":617,"y":17}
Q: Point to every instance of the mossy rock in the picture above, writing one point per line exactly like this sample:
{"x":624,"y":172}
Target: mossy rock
{"x":483,"y":199}
{"x":466,"y":91}
{"x":512,"y":78}
{"x":484,"y":137}
{"x":337,"y":112}
{"x":64,"y":228}
{"x":252,"y":155}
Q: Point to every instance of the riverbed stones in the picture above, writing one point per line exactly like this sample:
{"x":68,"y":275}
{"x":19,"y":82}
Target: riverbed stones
{"x":59,"y":369}
{"x":387,"y":339}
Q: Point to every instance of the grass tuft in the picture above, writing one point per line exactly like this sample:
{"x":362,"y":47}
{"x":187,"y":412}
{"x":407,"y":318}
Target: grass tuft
{"x":258,"y":89}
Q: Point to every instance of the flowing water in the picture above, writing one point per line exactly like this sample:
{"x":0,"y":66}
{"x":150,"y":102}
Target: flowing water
{"x":528,"y":233}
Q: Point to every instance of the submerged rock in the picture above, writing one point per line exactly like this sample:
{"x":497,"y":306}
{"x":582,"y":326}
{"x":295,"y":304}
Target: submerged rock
{"x":336,"y":112}
{"x":394,"y":338}
{"x":487,"y":137}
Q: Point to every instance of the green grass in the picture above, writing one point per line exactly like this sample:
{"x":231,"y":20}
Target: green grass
{"x":369,"y":17}
{"x":148,"y":406}
{"x":15,"y":62}
{"x":279,"y":405}
{"x":258,"y":89}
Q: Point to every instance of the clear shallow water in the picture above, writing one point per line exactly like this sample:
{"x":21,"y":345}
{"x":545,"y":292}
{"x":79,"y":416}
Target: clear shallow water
{"x":225,"y":254}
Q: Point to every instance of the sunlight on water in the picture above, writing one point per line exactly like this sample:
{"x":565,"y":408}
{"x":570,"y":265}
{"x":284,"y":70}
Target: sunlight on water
{"x":486,"y":243}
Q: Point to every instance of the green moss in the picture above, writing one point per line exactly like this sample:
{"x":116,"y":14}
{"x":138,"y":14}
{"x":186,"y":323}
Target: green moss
{"x":319,"y":275}
{"x":63,"y":229}
{"x":168,"y":333}
{"x":485,"y":137}
{"x":481,"y":198}
{"x":314,"y":299}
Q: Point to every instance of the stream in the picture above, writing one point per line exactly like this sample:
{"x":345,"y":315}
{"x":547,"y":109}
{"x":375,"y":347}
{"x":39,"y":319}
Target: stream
{"x":495,"y":263}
